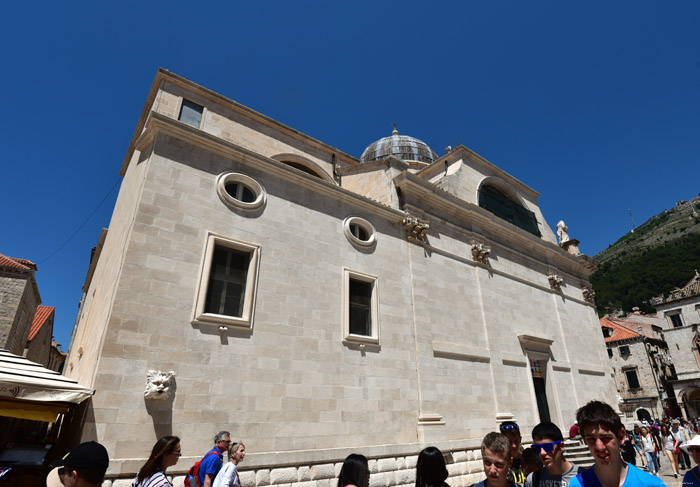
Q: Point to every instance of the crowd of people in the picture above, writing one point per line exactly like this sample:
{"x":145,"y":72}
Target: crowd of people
{"x":505,"y":462}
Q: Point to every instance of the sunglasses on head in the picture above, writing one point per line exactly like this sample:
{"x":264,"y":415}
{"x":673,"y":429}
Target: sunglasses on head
{"x":509,"y":428}
{"x":548,"y":447}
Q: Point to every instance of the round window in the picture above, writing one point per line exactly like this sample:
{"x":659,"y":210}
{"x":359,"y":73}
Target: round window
{"x":359,"y":231}
{"x":240,"y":191}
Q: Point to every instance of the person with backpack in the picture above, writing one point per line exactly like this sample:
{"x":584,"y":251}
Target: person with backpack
{"x":203,"y":473}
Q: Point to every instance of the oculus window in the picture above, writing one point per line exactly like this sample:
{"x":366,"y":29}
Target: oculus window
{"x":359,"y":232}
{"x":360,"y":322}
{"x":505,"y":208}
{"x":227,"y":284}
{"x":240,"y":192}
{"x":191,"y":113}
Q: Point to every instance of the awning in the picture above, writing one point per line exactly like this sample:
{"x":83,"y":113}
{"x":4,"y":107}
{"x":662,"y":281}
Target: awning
{"x":31,"y":391}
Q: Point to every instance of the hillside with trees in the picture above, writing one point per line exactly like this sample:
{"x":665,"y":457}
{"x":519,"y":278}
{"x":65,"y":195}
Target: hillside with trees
{"x":657,"y":257}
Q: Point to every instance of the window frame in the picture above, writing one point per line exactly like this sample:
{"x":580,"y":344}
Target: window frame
{"x":234,"y":177}
{"x":676,"y":313}
{"x":373,"y":338}
{"x":366,"y":226}
{"x":179,"y":112}
{"x":245,"y":321}
{"x":625,"y":351}
{"x":636,"y":376}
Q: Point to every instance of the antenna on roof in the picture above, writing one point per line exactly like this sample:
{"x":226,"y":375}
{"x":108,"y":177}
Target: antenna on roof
{"x":634,"y":225}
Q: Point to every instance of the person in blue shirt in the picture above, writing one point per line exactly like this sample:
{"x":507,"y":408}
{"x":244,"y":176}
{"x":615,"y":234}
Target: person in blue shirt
{"x":211,"y":463}
{"x":603,"y":433}
{"x":692,"y":476}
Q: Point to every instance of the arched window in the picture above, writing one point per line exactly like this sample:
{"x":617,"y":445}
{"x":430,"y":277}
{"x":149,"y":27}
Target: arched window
{"x":504,"y":207}
{"x":304,"y":165}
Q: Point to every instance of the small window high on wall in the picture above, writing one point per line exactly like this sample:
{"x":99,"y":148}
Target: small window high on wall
{"x":191,"y":113}
{"x":503,"y":207}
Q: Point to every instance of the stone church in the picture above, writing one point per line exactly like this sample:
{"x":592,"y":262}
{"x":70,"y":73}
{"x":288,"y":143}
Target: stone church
{"x":317,"y":304}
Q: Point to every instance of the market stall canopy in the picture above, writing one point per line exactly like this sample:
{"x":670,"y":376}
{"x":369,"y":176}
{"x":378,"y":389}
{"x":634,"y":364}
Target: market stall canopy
{"x":31,"y":391}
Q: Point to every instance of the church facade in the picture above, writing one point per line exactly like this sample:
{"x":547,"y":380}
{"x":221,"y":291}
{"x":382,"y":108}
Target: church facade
{"x":316,"y":304}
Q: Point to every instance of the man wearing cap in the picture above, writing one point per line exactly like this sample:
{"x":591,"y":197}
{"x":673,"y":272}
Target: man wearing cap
{"x":84,"y":466}
{"x":692,"y":476}
{"x":512,"y":431}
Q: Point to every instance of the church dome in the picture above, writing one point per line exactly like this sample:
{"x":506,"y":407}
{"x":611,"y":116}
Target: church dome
{"x":402,"y":146}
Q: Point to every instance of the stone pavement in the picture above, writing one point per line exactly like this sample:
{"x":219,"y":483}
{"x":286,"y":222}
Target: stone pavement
{"x":666,"y":473}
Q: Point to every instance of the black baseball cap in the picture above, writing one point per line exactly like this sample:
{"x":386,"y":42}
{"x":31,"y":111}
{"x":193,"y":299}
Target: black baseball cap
{"x":89,"y":455}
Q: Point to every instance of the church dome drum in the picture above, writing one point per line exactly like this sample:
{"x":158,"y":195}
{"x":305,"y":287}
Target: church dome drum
{"x":402,"y":146}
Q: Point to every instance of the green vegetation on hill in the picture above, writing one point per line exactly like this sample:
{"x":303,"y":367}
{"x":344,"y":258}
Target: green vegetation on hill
{"x":659,"y":256}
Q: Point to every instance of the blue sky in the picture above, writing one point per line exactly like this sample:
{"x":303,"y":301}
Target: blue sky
{"x":594,"y":104}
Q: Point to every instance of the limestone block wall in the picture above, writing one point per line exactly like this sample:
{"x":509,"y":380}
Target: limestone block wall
{"x":636,"y":360}
{"x":463,"y":465}
{"x":680,"y":346}
{"x":689,"y":310}
{"x":18,"y":302}
{"x":39,"y":348}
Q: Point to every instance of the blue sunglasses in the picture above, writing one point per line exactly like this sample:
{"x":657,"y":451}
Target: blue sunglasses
{"x":548,"y":447}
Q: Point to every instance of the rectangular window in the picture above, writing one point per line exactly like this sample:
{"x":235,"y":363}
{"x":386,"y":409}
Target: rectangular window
{"x":191,"y":113}
{"x":624,"y":350}
{"x":676,"y":320}
{"x":360,"y":307}
{"x":632,"y":379}
{"x":227,"y":284}
{"x":610,"y":352}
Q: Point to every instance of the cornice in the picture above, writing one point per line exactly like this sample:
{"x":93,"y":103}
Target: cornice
{"x":461,"y":150}
{"x":164,"y":75}
{"x":158,"y":124}
{"x":442,"y":201}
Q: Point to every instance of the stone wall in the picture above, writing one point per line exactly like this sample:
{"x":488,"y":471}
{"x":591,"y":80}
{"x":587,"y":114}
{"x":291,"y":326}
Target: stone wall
{"x":18,"y":301}
{"x":464,"y":468}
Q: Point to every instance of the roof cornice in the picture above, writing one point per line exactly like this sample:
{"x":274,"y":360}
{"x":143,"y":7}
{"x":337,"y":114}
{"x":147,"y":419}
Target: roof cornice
{"x":411,"y":184}
{"x":158,"y":124}
{"x":164,"y":75}
{"x":461,"y":150}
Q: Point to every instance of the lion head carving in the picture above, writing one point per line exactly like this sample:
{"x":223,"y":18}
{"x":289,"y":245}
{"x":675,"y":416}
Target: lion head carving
{"x":158,"y":384}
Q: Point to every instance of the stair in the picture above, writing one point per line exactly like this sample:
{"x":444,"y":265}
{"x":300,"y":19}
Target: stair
{"x":578,"y":453}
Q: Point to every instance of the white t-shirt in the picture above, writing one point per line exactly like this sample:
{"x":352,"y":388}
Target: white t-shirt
{"x":227,"y":476}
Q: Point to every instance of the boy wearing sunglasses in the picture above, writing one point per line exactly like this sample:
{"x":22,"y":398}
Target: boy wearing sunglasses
{"x":604,"y":434}
{"x":549,"y":444}
{"x":511,"y":430}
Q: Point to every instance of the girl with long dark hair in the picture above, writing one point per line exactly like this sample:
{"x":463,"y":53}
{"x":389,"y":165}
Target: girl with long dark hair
{"x":431,"y":470}
{"x":355,"y":472}
{"x":166,"y":452}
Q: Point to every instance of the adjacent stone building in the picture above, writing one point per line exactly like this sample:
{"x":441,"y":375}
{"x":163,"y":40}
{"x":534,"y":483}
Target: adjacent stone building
{"x":19,"y":298}
{"x":641,"y":366}
{"x":316,"y":304}
{"x":679,"y":314}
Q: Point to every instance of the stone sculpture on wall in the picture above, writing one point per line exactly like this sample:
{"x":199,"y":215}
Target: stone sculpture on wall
{"x":480,"y":252}
{"x":562,"y":232}
{"x":416,"y":228}
{"x":555,"y":281}
{"x":158,"y":384}
{"x":588,"y":294}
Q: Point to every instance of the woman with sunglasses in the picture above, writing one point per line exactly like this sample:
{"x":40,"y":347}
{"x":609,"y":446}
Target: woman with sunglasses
{"x":228,"y":475}
{"x":692,"y":476}
{"x":166,"y":452}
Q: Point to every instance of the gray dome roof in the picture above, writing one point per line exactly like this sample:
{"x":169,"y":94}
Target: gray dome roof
{"x":402,"y":146}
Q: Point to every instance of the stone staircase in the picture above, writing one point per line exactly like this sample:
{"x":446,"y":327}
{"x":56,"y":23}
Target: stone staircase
{"x":578,"y":453}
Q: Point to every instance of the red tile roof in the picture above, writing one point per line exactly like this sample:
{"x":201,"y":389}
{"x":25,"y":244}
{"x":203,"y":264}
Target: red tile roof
{"x":618,"y":332}
{"x":17,"y":263}
{"x":42,"y":316}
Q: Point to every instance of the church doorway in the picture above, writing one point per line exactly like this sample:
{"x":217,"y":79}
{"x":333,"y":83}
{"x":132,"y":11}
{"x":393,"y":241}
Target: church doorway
{"x":540,"y":389}
{"x":643,"y":415}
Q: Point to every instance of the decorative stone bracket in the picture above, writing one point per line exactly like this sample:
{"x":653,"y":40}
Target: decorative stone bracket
{"x":588,"y":294}
{"x":555,"y":281}
{"x":481,"y":252}
{"x":159,"y":384}
{"x":416,"y":228}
